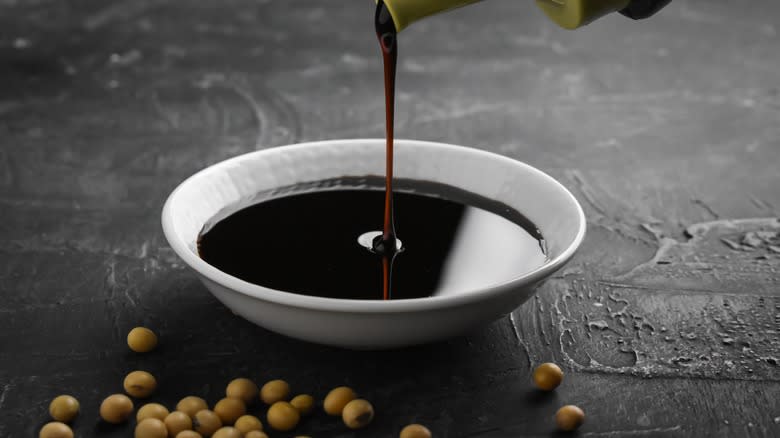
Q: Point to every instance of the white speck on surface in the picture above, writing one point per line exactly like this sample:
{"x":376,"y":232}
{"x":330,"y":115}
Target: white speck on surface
{"x":22,"y":43}
{"x":558,"y":48}
{"x":610,"y":142}
{"x":125,"y":59}
{"x":639,"y":432}
{"x":413,"y":66}
{"x":731,"y":244}
{"x":599,"y":325}
{"x":3,"y":393}
{"x":129,"y":298}
{"x":354,"y":60}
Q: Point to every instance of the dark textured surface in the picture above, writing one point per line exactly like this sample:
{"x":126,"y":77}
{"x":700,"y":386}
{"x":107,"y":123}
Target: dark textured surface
{"x":668,"y":132}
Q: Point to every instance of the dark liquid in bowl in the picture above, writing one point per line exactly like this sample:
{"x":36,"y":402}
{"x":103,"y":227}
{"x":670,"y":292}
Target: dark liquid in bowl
{"x":307,"y":243}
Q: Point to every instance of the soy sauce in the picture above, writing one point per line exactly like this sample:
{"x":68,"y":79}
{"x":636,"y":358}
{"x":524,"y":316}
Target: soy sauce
{"x":386,"y":34}
{"x":308,"y":242}
{"x":387,"y":245}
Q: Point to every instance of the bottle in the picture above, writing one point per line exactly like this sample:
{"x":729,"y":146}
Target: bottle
{"x":569,"y":14}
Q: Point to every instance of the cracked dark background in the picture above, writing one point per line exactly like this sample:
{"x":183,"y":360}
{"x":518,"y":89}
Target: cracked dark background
{"x":667,"y":131}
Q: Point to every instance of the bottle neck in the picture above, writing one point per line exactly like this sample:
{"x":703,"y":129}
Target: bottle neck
{"x":406,"y":12}
{"x":571,"y":14}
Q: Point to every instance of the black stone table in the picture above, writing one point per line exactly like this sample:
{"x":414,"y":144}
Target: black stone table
{"x":667,"y":130}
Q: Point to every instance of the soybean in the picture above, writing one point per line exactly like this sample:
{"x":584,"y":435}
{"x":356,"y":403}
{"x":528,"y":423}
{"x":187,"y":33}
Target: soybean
{"x":283,"y":416}
{"x":140,"y":384}
{"x":569,"y":418}
{"x":337,"y":398}
{"x":248,"y":423}
{"x":415,"y":431}
{"x":274,"y":391}
{"x":116,"y":408}
{"x":141,"y":340}
{"x":304,"y":403}
{"x":64,"y":408}
{"x":151,"y":428}
{"x":55,"y":429}
{"x":242,"y":388}
{"x":548,"y":376}
{"x":151,"y":410}
{"x":227,"y":432}
{"x":229,"y":410}
{"x":206,"y":422}
{"x":357,"y":414}
{"x":191,"y":404}
{"x":177,"y":422}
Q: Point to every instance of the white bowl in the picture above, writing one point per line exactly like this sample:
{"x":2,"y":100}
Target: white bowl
{"x":224,"y":188}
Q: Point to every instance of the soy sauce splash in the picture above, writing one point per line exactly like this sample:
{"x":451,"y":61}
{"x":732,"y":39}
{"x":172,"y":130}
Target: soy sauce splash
{"x":386,"y":244}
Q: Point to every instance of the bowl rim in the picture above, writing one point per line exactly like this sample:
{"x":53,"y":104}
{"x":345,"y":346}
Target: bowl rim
{"x":181,"y":248}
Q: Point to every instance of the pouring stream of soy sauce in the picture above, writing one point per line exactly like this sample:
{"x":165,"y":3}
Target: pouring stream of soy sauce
{"x":385,"y":244}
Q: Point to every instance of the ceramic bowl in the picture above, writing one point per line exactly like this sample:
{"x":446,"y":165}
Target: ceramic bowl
{"x":225,"y":187}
